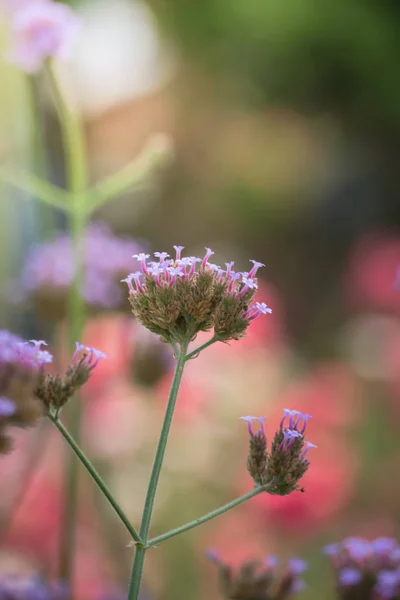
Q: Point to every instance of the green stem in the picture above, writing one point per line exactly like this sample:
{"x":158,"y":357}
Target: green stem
{"x":37,"y":188}
{"x":73,"y":139}
{"x":96,"y":477}
{"x":135,"y":173}
{"x":205,"y":518}
{"x":195,"y":352}
{"x":77,"y":182}
{"x":138,"y":562}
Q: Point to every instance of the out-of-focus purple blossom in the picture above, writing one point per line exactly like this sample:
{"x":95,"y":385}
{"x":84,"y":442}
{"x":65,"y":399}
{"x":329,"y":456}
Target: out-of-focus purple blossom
{"x":14,"y":587}
{"x":259,"y":580}
{"x":350,"y":576}
{"x":49,"y":269}
{"x":16,"y":353}
{"x":7,"y":407}
{"x":297,"y":566}
{"x":40,"y":29}
{"x":21,"y":368}
{"x":371,"y":568}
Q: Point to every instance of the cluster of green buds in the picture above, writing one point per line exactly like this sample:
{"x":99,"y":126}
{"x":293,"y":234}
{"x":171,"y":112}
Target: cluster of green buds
{"x":176,"y":299}
{"x":285,"y":464}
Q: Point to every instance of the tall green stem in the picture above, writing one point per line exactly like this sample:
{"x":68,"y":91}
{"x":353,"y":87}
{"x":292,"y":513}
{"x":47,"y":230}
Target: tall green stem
{"x":77,"y":181}
{"x":95,"y":476}
{"x":137,"y":569}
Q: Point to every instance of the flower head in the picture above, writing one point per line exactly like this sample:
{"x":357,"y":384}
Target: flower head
{"x":369,"y":568}
{"x":177,"y":300}
{"x":15,"y":587}
{"x":41,"y":30}
{"x":286,"y":463}
{"x":55,"y":391}
{"x":21,"y":369}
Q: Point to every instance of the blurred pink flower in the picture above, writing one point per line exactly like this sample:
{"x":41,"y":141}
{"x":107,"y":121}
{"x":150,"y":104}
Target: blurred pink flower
{"x":373,"y":272}
{"x":41,"y":29}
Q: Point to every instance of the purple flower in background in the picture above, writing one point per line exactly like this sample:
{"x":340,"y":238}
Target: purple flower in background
{"x":297,"y":566}
{"x":49,"y":269}
{"x":15,"y":587}
{"x":350,"y":576}
{"x":7,"y":407}
{"x":21,"y":368}
{"x":372,"y":568}
{"x":259,"y":579}
{"x":41,"y":29}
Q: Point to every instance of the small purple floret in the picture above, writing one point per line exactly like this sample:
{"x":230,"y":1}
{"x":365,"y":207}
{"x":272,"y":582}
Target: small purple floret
{"x":7,"y":407}
{"x":297,"y":566}
{"x":309,"y":445}
{"x":256,"y":266}
{"x":250,"y":421}
{"x":349,"y":576}
{"x":92,"y":357}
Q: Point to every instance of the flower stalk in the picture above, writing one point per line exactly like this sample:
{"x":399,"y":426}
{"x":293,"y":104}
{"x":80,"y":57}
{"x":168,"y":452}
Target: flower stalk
{"x":137,"y":568}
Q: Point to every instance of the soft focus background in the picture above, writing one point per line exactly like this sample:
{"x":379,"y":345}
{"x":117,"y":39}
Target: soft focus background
{"x":285,"y":118}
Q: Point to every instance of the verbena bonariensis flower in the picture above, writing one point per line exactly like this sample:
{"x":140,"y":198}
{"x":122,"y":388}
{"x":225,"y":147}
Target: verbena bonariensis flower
{"x":21,"y":366}
{"x":366,"y":570}
{"x":16,"y":587}
{"x":40,"y":29}
{"x":285,"y":464}
{"x":176,"y":298}
{"x":54,"y":391}
{"x":257,"y":580}
{"x":49,"y":270}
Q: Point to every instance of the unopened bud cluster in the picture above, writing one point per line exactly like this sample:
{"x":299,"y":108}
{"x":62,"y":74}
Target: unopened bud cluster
{"x":21,"y":366}
{"x":367,"y":570}
{"x":285,"y":464}
{"x":54,"y":391}
{"x":177,"y":298}
{"x":258,"y":580}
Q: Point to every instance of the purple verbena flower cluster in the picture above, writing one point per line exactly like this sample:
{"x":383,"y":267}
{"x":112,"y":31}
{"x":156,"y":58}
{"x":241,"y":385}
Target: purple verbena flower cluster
{"x":40,"y":29}
{"x":26,"y":388}
{"x":176,"y":298}
{"x":17,"y":587}
{"x":258,"y":579}
{"x":21,"y":367}
{"x":286,"y":463}
{"x":49,"y":270}
{"x":366,"y":569}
